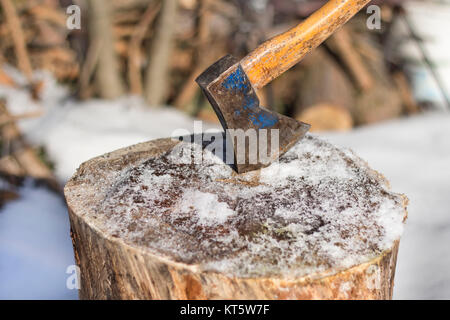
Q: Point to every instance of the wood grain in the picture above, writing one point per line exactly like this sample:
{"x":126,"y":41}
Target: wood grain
{"x":113,"y":269}
{"x":280,"y":53}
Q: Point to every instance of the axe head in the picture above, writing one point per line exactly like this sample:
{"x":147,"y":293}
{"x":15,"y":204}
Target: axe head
{"x":259,"y":136}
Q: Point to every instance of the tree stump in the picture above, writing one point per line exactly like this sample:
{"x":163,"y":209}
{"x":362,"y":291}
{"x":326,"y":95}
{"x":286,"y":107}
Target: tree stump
{"x":148,"y":222}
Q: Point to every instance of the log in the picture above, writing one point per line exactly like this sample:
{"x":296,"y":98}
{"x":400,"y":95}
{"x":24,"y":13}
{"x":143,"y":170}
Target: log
{"x":406,"y":94}
{"x":107,"y":75}
{"x":208,"y":114}
{"x":327,"y":117}
{"x":341,"y":44}
{"x":158,"y":69}
{"x":146,"y":223}
{"x":17,"y":34}
{"x":383,"y":100}
{"x":324,"y":81}
{"x":208,"y":50}
{"x":47,"y":13}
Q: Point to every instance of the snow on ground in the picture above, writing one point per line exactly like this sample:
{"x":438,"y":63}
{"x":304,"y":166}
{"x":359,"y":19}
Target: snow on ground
{"x":35,"y":247}
{"x":73,"y":131}
{"x":414,"y":154}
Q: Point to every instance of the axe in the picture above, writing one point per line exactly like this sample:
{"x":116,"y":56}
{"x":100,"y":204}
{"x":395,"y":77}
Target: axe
{"x":230,"y":84}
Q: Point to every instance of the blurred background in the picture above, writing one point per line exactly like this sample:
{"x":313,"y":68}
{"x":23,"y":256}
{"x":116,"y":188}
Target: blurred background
{"x":81,"y":78}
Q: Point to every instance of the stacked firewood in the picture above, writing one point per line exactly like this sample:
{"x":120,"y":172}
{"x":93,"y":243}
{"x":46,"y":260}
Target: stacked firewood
{"x":18,"y":158}
{"x":31,"y":38}
{"x":157,"y":48}
{"x":346,"y":82}
{"x":34,"y":36}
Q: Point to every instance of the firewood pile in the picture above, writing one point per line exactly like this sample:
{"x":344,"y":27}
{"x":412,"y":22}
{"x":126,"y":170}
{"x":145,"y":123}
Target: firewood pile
{"x":18,"y":158}
{"x":157,"y":48}
{"x":34,"y":36}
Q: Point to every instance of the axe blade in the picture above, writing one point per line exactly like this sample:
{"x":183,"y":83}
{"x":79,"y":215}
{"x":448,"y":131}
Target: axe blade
{"x":251,"y":128}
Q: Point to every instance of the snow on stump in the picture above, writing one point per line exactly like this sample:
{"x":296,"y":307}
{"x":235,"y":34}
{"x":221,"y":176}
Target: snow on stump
{"x":149,"y":223}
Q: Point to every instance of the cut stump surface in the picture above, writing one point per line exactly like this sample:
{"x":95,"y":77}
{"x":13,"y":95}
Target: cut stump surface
{"x":148,"y":222}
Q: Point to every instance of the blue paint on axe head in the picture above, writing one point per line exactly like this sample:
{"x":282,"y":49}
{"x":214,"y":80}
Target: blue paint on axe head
{"x":237,"y":81}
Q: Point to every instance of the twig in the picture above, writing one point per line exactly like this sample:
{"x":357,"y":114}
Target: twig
{"x":425,"y":59}
{"x":134,"y":68}
{"x":49,"y":14}
{"x":18,"y":38}
{"x":22,"y":152}
{"x":88,"y":67}
{"x":189,"y":88}
{"x":8,"y":119}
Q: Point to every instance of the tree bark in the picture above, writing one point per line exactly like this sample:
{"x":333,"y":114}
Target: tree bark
{"x":156,"y":82}
{"x":107,"y":76}
{"x":113,"y":269}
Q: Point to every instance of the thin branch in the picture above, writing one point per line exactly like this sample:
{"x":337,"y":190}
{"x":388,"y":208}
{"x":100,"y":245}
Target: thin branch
{"x":134,"y":68}
{"x":18,"y":37}
{"x":427,"y":61}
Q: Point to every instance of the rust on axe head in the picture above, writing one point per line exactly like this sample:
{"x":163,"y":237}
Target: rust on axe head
{"x":234,"y":100}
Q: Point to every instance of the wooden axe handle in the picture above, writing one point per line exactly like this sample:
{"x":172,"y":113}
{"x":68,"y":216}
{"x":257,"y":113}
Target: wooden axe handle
{"x":280,"y":53}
